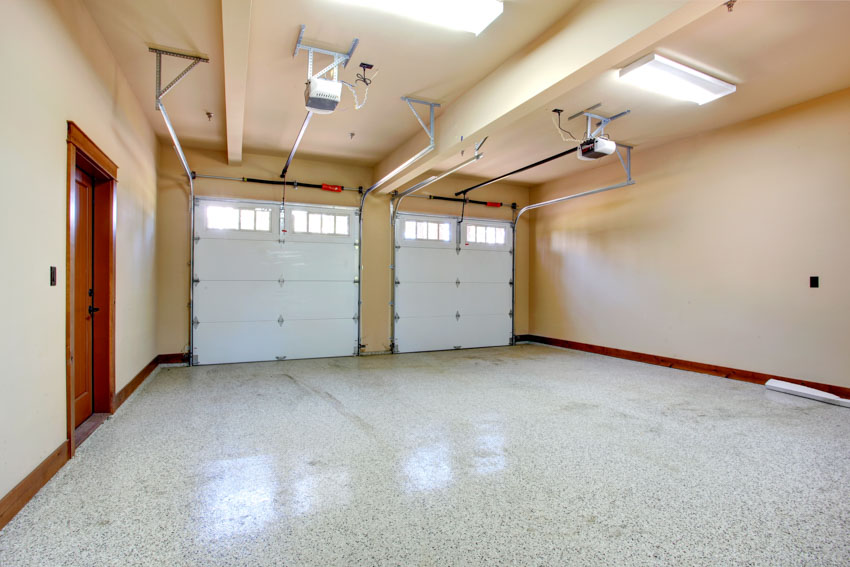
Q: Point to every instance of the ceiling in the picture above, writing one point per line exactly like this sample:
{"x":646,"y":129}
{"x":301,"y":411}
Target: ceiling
{"x":410,"y":59}
{"x":778,"y":53}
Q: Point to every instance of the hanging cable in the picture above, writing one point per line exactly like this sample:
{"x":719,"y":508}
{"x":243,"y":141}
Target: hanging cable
{"x":561,"y":131}
{"x":361,"y":78}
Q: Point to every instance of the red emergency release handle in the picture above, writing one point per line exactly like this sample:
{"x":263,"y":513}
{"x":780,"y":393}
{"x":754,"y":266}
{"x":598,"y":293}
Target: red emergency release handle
{"x":334,"y":188}
{"x":491,"y":204}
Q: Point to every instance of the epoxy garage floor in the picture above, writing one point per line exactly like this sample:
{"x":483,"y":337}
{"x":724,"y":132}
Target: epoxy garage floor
{"x":522,"y":455}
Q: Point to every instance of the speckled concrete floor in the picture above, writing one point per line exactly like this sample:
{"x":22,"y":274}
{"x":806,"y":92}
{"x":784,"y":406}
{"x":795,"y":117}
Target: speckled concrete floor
{"x":511,"y":456}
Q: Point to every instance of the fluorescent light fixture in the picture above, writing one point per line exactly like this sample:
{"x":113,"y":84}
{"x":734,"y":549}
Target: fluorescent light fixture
{"x":667,"y":77}
{"x":464,"y":15}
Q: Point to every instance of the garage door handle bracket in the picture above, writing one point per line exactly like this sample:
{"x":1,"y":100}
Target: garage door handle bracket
{"x":280,"y":320}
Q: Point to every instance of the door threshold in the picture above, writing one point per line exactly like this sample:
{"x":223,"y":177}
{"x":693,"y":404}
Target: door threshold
{"x":86,"y":428}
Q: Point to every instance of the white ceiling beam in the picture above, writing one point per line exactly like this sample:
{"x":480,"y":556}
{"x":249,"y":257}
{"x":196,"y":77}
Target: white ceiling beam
{"x":236,"y":38}
{"x":593,"y":38}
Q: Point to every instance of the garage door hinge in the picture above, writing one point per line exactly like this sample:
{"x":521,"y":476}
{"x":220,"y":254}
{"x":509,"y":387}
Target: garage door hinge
{"x":457,"y":316}
{"x":195,"y":360}
{"x":511,"y":282}
{"x":281,"y":281}
{"x":397,"y":282}
{"x":396,"y":317}
{"x":356,"y":317}
{"x":280,"y":358}
{"x":457,"y":282}
{"x":393,"y":348}
{"x":457,"y":250}
{"x":195,"y":322}
{"x":511,"y":313}
{"x":357,"y":280}
{"x":196,"y":238}
{"x":196,"y":280}
{"x":280,"y":320}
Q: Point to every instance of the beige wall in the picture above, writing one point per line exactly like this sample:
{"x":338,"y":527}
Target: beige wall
{"x":57,"y":67}
{"x":172,"y":229}
{"x":708,"y":257}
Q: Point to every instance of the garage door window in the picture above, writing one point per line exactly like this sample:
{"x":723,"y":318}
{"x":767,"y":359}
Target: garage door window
{"x":252,"y":219}
{"x":485,"y":234}
{"x":304,"y":222}
{"x":426,"y":230}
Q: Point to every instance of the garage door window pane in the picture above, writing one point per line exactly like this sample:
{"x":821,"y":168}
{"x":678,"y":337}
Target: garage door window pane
{"x":422,"y":230}
{"x":470,"y":233}
{"x":500,"y":236}
{"x":246,"y":219}
{"x":445,"y":232}
{"x":342,"y":225}
{"x":226,"y":218}
{"x":491,"y":235}
{"x":299,"y":221}
{"x":328,"y":224}
{"x":480,"y":234}
{"x":410,"y":230}
{"x":315,"y":223}
{"x":263,"y":219}
{"x":433,"y":231}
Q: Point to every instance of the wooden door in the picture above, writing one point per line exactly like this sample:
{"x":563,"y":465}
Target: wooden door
{"x":82,"y":290}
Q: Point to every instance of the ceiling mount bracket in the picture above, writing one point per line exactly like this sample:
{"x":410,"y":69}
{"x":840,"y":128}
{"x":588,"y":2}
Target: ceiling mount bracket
{"x":160,"y":91}
{"x":339,"y":58}
{"x":598,"y":129}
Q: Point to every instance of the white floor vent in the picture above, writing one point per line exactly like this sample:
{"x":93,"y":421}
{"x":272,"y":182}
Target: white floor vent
{"x":806,"y":392}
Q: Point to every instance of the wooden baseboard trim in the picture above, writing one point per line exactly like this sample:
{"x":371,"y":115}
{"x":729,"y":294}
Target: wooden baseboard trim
{"x":713,"y":369}
{"x":174,"y":358}
{"x":131,"y":387}
{"x":18,"y":497}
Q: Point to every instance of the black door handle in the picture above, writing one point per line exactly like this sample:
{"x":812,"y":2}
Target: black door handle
{"x":93,"y":310}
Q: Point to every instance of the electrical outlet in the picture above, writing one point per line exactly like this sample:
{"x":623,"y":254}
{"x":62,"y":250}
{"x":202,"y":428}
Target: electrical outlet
{"x":52,"y":275}
{"x":814,"y":281}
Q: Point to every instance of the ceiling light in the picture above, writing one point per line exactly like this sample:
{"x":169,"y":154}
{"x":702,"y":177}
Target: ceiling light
{"x":664,"y":76}
{"x":464,"y":15}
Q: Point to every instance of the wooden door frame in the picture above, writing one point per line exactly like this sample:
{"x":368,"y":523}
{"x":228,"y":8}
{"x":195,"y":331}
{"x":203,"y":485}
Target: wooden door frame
{"x":84,"y":153}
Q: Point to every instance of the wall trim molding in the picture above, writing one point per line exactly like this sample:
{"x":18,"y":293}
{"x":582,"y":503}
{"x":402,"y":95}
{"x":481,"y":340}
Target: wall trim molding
{"x":18,"y":497}
{"x":679,"y":364}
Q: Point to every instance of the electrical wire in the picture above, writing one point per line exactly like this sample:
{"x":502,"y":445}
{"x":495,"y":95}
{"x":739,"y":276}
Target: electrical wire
{"x":360,"y":78}
{"x":557,"y":123}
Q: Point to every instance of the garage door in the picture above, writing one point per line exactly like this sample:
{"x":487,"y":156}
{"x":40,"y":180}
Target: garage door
{"x":273,"y":287}
{"x":452,"y":292}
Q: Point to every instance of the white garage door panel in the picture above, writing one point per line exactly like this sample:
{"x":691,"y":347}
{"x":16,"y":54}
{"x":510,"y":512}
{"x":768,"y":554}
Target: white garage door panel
{"x":221,"y":259}
{"x":484,"y":298}
{"x":426,"y":264}
{"x":261,"y":299}
{"x":319,"y":338}
{"x":416,"y":334}
{"x":266,"y":301}
{"x":428,"y":296}
{"x":426,"y":299}
{"x":484,"y":330}
{"x":484,"y":266}
{"x":315,"y":261}
{"x":250,"y":341}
